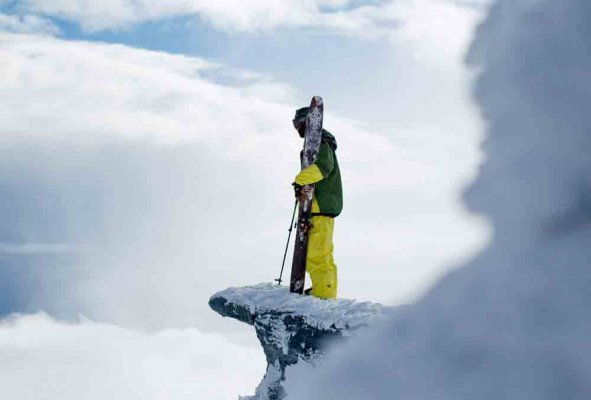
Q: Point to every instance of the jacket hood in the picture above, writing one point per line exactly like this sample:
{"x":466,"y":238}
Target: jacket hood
{"x":329,"y":139}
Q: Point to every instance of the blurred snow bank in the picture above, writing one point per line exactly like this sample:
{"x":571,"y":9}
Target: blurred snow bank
{"x":513,"y":323}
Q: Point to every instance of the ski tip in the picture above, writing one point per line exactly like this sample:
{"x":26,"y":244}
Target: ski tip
{"x":316,"y":101}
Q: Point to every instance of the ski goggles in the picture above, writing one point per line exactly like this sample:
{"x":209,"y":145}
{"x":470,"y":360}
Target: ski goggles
{"x":298,"y":121}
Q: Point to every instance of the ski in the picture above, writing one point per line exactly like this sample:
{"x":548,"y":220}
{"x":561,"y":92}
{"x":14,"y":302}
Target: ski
{"x":312,"y":139}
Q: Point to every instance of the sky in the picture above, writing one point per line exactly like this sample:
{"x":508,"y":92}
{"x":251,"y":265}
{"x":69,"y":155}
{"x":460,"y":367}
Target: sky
{"x":147,"y":151}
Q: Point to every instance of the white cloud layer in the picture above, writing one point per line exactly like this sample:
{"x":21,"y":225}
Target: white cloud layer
{"x":46,"y":359}
{"x":187,"y":181}
{"x":27,"y":24}
{"x":437,"y":30}
{"x":118,"y":91}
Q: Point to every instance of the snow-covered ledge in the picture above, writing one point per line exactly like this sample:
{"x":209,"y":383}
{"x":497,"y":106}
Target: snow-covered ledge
{"x":291,"y":328}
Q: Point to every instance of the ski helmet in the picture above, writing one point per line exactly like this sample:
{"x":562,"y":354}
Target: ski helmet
{"x":300,"y":116}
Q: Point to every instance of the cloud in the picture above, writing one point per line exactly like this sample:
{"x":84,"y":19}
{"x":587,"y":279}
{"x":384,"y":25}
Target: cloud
{"x":27,"y":24}
{"x":361,"y":19}
{"x":45,"y":358}
{"x":131,"y":152}
{"x":438,"y":31}
{"x":87,"y":124}
{"x":140,"y":93}
{"x":108,"y":115}
{"x":228,"y":15}
{"x":513,"y":322}
{"x":480,"y":4}
{"x":40,"y":248}
{"x":180,"y":183}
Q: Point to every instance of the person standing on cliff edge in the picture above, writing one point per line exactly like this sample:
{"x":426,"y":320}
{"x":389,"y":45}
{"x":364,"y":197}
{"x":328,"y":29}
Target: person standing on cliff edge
{"x":327,"y":204}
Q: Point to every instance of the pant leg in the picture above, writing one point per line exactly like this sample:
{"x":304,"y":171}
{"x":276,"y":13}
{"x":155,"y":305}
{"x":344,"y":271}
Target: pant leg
{"x":320,"y":261}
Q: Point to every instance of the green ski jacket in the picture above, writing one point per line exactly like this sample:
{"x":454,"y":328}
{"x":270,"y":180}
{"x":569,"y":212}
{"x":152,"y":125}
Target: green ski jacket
{"x":326,"y":175}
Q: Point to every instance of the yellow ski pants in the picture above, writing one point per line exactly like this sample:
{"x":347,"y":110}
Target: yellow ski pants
{"x":320,"y":262}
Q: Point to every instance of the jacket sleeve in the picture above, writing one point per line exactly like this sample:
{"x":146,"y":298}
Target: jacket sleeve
{"x":320,"y":169}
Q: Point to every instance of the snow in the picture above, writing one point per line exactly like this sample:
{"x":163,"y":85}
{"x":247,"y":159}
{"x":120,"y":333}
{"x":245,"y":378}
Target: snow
{"x":272,"y":376}
{"x":293,"y":329}
{"x":514,"y":322}
{"x":322,"y":314}
{"x":281,"y":336}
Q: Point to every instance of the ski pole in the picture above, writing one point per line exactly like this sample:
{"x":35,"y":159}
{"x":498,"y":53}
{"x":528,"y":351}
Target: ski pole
{"x":287,"y":245}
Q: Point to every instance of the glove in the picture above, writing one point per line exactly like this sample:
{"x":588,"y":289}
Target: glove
{"x":297,"y":190}
{"x":302,"y":193}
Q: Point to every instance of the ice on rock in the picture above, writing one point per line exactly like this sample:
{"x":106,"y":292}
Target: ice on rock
{"x":322,"y":314}
{"x":292,"y":328}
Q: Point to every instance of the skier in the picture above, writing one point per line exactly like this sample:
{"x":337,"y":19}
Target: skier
{"x":326,"y":205}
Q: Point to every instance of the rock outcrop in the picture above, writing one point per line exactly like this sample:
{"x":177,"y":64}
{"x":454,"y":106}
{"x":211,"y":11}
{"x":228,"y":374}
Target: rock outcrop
{"x":291,"y":328}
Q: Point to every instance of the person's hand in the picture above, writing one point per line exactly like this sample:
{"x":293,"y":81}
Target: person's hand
{"x":297,"y":190}
{"x":302,"y":193}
